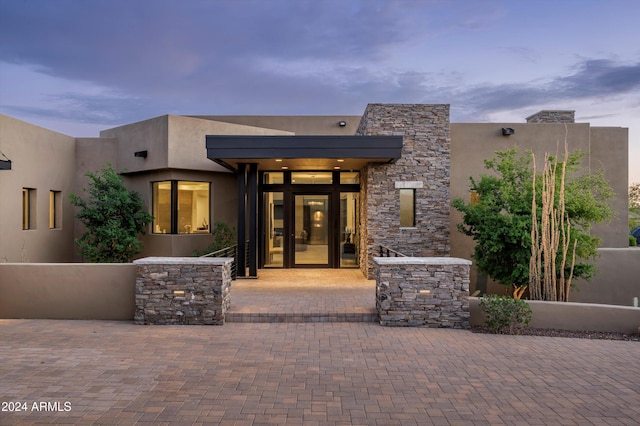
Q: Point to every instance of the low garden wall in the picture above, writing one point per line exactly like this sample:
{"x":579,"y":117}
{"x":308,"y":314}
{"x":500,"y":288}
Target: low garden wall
{"x":572,"y":316}
{"x":182,"y":290}
{"x":83,"y":291}
{"x":422,"y":291}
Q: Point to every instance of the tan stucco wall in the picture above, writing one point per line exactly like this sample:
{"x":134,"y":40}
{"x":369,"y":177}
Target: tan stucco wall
{"x":223,"y":205}
{"x":187,"y":136}
{"x":572,"y":316}
{"x":150,"y":135}
{"x":298,"y":124}
{"x":617,"y":282}
{"x":42,"y":160}
{"x":67,"y":291}
{"x":472,"y":143}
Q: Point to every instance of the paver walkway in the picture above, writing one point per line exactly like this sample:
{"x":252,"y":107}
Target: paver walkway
{"x":304,"y":295}
{"x":309,"y":373}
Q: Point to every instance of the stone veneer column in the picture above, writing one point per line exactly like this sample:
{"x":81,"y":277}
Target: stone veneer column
{"x":552,"y":116}
{"x":431,"y":292}
{"x":425,"y":163}
{"x":182,"y":290}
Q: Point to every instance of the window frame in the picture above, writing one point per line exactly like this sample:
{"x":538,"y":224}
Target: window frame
{"x":174,"y":207}
{"x":412,"y":208}
{"x":28,"y":209}
{"x":55,"y":209}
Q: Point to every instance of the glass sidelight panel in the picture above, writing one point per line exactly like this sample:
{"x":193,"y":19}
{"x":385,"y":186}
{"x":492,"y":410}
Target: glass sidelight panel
{"x":311,"y":230}
{"x":274,"y":226}
{"x":349,"y":235}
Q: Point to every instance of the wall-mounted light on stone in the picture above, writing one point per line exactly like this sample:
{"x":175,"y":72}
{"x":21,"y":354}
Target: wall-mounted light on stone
{"x":178,"y":293}
{"x":425,"y":292}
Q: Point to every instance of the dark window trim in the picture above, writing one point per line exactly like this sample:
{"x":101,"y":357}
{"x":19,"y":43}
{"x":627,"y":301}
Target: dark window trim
{"x":174,"y":204}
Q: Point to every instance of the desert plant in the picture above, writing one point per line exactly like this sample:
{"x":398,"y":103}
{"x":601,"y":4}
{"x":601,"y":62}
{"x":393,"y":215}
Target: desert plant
{"x":500,"y":217}
{"x":505,"y":315}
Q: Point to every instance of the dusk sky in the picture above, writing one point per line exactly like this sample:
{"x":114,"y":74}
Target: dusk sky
{"x":79,"y":67}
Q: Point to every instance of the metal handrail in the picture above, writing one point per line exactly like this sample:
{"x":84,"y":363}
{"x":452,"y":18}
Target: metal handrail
{"x":231,"y":251}
{"x":388,"y":252}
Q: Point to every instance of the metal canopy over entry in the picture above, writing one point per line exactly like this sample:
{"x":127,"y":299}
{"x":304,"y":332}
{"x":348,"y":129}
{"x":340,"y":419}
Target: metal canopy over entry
{"x":303,"y":152}
{"x":245,"y":155}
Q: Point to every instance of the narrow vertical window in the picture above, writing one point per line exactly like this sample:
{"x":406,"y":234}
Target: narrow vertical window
{"x":474,"y":198}
{"x":55,"y":209}
{"x":407,"y":208}
{"x":28,"y":208}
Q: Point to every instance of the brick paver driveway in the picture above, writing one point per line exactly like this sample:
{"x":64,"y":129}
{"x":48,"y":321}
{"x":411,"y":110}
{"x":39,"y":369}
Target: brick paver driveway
{"x":88,"y":372}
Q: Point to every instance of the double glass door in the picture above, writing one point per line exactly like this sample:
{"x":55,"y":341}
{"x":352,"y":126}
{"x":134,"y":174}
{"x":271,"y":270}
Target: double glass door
{"x":310,"y":229}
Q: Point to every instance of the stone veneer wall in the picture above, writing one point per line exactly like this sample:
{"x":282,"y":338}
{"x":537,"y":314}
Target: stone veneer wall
{"x":431,"y":292}
{"x":425,"y":163}
{"x":204,"y":281}
{"x":552,"y":117}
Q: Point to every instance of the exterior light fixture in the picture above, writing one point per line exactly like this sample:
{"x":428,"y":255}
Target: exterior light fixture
{"x":6,"y":163}
{"x":284,"y":167}
{"x":508,"y":131}
{"x":278,"y":160}
{"x":141,"y":154}
{"x":340,"y":160}
{"x":336,"y":167}
{"x":342,"y":123}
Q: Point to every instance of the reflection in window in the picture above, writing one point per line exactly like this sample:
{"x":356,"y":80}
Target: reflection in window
{"x":181,"y":207}
{"x":273,"y":177}
{"x":349,"y":177}
{"x":407,"y":208}
{"x":311,"y":177}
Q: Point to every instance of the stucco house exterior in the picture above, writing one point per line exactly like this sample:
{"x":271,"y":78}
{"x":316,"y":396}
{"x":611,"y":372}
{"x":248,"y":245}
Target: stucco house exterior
{"x":303,"y":191}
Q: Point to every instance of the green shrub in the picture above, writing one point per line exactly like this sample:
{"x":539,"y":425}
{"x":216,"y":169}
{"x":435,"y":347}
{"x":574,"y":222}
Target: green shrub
{"x":114,"y":217}
{"x":504,"y":314}
{"x":223,"y":236}
{"x":632,"y":241}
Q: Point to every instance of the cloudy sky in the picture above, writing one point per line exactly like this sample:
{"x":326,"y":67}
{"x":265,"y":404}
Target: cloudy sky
{"x":79,"y":66}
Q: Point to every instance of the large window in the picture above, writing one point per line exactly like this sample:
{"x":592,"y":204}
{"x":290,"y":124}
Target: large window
{"x":181,"y":207}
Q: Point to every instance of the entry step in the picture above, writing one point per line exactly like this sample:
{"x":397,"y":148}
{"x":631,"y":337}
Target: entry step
{"x":299,"y":317}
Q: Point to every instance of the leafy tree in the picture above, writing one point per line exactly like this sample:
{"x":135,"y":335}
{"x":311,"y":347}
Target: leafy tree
{"x":114,"y":218}
{"x":499,"y":218}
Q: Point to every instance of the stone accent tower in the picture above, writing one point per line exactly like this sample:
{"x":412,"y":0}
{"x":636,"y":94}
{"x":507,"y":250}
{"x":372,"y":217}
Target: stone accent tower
{"x":552,"y":116}
{"x":424,"y":166}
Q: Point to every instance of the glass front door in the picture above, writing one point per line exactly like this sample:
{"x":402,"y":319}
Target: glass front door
{"x":309,"y":219}
{"x":311,"y":233}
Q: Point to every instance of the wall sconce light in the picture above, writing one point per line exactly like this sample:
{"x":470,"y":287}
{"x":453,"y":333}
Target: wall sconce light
{"x":5,"y":164}
{"x":508,"y":131}
{"x":141,"y":154}
{"x":342,"y":123}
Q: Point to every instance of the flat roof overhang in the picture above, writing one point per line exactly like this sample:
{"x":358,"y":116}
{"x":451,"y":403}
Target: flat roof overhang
{"x":303,"y":152}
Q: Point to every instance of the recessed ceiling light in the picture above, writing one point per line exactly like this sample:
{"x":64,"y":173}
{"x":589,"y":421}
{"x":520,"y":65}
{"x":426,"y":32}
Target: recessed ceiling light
{"x":278,"y":160}
{"x":340,"y":160}
{"x":284,"y":167}
{"x":336,"y":167}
